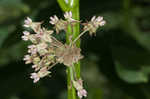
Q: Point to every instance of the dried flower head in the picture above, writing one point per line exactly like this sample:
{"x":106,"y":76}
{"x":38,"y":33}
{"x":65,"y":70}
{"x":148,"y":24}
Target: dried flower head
{"x":68,"y":55}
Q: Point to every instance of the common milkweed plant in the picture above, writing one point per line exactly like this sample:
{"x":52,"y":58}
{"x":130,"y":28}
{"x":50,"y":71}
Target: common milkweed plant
{"x":46,"y":51}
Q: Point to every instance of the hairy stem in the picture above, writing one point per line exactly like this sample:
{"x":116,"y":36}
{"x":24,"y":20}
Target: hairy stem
{"x":73,"y":6}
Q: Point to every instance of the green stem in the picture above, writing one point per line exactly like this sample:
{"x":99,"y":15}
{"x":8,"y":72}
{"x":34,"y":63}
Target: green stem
{"x":78,"y":37}
{"x":73,"y":6}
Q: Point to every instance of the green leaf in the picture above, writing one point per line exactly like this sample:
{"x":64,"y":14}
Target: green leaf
{"x":13,"y":53}
{"x":4,"y":33}
{"x":12,"y":9}
{"x":132,"y":75}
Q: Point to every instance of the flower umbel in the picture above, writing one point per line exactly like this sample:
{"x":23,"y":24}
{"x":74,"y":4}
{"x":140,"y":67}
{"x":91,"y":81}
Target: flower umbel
{"x":46,"y":51}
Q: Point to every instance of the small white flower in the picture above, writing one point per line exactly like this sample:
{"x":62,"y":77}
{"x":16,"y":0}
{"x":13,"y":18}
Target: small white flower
{"x":68,"y":17}
{"x":46,"y":38}
{"x":54,"y":20}
{"x":98,"y":21}
{"x":27,"y":22}
{"x":25,"y":38}
{"x":26,"y":33}
{"x":102,"y":23}
{"x":45,"y":35}
{"x":32,"y":49}
{"x":34,"y":66}
{"x":59,"y":24}
{"x":41,"y":46}
{"x":93,"y":18}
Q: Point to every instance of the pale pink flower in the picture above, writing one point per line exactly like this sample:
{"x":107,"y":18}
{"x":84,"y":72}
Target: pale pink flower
{"x":42,"y":73}
{"x":32,"y":49}
{"x":36,"y":67}
{"x":26,"y":35}
{"x":82,"y":93}
{"x":35,"y":77}
{"x":79,"y":87}
{"x":27,"y":59}
{"x":27,"y":22}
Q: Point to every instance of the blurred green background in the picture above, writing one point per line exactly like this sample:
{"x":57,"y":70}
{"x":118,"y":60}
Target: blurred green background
{"x":116,"y":63}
